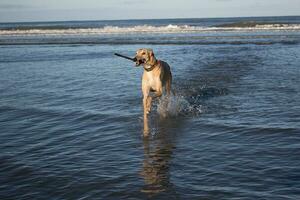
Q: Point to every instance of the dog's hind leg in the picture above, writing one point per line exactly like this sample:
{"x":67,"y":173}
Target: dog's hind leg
{"x":158,"y":92}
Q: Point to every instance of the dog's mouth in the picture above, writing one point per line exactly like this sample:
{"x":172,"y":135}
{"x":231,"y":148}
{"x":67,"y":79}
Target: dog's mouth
{"x":138,"y":62}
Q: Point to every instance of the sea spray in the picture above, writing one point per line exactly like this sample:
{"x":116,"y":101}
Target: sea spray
{"x":173,"y":106}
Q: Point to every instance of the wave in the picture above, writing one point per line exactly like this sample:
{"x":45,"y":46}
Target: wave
{"x":250,"y":26}
{"x":254,"y":24}
{"x":143,"y":42}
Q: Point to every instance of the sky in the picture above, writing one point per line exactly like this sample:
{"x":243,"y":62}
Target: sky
{"x":65,"y":10}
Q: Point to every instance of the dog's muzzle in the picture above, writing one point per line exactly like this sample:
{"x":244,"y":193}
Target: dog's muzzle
{"x":138,"y":62}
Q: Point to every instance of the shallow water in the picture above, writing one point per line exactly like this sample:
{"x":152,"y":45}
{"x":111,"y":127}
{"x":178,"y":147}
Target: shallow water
{"x":71,"y":122}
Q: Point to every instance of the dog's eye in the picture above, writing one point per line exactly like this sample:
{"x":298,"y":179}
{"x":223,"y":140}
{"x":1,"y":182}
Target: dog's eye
{"x":143,"y":53}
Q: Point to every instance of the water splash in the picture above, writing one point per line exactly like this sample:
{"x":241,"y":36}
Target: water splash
{"x":177,"y":105}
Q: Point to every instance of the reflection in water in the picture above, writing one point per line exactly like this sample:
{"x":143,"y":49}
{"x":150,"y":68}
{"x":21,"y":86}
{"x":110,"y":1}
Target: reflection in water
{"x":157,"y":156}
{"x":156,"y":167}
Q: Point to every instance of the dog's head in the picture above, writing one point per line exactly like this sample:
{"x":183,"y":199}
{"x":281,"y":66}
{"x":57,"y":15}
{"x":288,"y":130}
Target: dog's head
{"x":145,"y":57}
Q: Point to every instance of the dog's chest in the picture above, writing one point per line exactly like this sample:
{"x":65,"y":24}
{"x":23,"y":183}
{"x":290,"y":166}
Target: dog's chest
{"x":152,"y":80}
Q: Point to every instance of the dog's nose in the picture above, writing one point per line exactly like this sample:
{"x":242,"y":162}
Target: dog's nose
{"x":134,"y":59}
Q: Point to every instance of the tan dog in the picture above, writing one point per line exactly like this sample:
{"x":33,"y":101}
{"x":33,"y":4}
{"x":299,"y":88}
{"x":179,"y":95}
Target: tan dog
{"x":157,"y":76}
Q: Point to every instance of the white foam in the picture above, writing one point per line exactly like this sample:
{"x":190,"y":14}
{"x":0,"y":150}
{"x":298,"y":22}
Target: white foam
{"x":174,"y":106}
{"x":144,"y":29}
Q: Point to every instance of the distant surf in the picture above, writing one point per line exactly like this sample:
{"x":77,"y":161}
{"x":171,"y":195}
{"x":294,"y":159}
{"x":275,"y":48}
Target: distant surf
{"x":145,"y":28}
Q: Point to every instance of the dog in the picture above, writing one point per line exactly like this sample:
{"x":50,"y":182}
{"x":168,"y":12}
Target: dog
{"x":156,"y":77}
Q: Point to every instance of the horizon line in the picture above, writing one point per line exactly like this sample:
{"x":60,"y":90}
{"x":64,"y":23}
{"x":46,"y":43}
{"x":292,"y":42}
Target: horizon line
{"x":45,"y":21}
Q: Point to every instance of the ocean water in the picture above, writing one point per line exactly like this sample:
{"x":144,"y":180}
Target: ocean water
{"x":71,"y":122}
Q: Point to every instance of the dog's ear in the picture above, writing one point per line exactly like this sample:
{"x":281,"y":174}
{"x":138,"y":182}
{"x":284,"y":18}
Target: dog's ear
{"x":152,"y":59}
{"x":150,"y":53}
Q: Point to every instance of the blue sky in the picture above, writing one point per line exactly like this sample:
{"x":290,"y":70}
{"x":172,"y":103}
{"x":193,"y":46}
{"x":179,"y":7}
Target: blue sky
{"x":57,"y":10}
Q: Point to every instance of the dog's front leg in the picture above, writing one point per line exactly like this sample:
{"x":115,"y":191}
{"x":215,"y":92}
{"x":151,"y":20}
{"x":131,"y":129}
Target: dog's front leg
{"x":146,"y":96}
{"x":158,"y":93}
{"x":146,"y":92}
{"x":146,"y":126}
{"x":145,"y":105}
{"x":148,"y":102}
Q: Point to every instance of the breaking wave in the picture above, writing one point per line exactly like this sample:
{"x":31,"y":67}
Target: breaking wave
{"x":255,"y":24}
{"x":249,"y":26}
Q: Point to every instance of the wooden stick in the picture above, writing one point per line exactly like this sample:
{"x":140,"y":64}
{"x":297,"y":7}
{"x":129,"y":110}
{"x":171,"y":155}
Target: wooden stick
{"x":126,"y":57}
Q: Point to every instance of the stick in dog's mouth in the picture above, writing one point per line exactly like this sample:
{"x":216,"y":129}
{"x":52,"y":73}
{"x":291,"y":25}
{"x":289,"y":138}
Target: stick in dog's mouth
{"x":138,"y":62}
